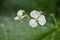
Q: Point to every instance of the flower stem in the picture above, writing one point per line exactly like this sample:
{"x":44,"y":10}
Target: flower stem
{"x":55,"y":21}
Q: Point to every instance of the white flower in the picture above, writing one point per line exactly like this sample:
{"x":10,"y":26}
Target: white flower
{"x":37,"y":17}
{"x":19,"y":15}
{"x":20,"y":12}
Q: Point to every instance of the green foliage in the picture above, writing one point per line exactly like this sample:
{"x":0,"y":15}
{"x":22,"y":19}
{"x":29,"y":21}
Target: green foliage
{"x":20,"y":30}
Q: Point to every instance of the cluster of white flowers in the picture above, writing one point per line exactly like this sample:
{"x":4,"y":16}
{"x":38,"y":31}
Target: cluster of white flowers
{"x":36,"y":16}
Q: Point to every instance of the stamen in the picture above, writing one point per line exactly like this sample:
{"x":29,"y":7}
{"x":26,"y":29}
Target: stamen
{"x":36,"y":19}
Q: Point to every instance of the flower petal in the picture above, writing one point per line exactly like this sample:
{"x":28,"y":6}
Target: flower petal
{"x":33,"y":23}
{"x":22,"y":16}
{"x":16,"y":18}
{"x":20,"y":13}
{"x":34,"y":14}
{"x":42,"y":20}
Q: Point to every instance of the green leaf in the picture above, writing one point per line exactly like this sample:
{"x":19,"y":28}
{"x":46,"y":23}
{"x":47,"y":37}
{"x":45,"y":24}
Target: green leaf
{"x":57,"y":36}
{"x":43,"y":36}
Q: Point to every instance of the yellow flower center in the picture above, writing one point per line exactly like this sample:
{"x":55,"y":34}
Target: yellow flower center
{"x":36,"y":19}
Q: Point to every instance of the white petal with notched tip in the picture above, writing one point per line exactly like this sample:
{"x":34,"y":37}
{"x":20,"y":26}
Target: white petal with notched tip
{"x":16,"y":18}
{"x":33,"y":23}
{"x":34,"y":14}
{"x":42,"y":20}
{"x":20,"y":13}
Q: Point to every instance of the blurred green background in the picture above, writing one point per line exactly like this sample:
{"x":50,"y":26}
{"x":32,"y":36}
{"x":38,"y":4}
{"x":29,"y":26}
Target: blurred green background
{"x":20,"y":30}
